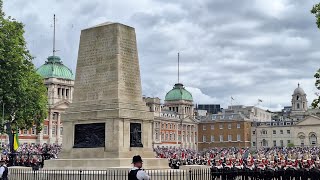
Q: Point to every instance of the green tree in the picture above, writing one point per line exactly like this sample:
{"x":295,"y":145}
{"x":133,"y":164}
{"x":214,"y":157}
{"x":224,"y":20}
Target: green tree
{"x":21,"y":88}
{"x":316,"y":11}
{"x":316,"y":102}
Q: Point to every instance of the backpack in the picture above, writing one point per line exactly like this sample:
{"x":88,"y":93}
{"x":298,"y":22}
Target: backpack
{"x":133,"y":174}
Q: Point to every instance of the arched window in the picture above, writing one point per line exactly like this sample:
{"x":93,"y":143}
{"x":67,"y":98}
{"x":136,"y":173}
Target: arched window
{"x":313,"y":139}
{"x":303,"y":105}
{"x":298,"y":106}
{"x":298,"y":98}
{"x":302,"y":137}
{"x":264,"y":143}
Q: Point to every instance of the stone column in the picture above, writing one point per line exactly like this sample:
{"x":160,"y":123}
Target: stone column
{"x":177,"y":134}
{"x":58,"y":129}
{"x":186,"y":136}
{"x":190,"y":136}
{"x":50,"y":126}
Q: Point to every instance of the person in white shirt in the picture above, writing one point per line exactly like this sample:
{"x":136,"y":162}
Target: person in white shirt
{"x":136,"y":173}
{"x":3,"y":170}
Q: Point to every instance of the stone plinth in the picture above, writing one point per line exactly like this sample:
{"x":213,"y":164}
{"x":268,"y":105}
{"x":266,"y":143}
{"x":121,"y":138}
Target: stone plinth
{"x":107,"y":89}
{"x":107,"y":122}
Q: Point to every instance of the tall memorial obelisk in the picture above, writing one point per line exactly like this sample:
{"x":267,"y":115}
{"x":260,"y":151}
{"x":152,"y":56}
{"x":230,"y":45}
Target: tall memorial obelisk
{"x":107,"y":122}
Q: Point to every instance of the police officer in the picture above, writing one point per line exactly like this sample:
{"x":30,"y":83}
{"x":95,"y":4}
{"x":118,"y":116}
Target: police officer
{"x":3,"y":170}
{"x":136,"y":173}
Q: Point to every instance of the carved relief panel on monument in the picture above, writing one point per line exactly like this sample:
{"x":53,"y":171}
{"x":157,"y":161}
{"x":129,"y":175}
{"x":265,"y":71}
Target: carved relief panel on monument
{"x":135,"y":135}
{"x":89,"y":135}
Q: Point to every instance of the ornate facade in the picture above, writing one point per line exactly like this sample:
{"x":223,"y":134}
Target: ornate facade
{"x":174,"y":123}
{"x":59,"y":81}
{"x":295,"y":125}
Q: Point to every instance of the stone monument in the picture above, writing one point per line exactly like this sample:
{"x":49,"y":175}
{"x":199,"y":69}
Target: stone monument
{"x":107,"y":123}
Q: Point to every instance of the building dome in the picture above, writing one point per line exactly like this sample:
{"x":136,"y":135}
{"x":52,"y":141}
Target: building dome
{"x":299,"y":90}
{"x":53,"y":68}
{"x":178,"y":93}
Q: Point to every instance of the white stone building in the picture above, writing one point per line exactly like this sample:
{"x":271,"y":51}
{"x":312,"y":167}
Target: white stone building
{"x":296,"y":125}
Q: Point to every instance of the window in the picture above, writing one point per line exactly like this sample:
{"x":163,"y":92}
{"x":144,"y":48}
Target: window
{"x":54,"y":130}
{"x":274,"y":132}
{"x":61,"y":130}
{"x":67,"y":92}
{"x":229,"y":126}
{"x":221,"y":138}
{"x":62,"y":92}
{"x":162,"y":126}
{"x":288,"y":131}
{"x":212,"y":127}
{"x":167,"y":136}
{"x":166,"y":126}
{"x":281,"y":143}
{"x":179,"y":138}
{"x":33,"y":131}
{"x":170,"y":126}
{"x":238,"y":137}
{"x":59,"y":91}
{"x":45,"y":130}
{"x":204,"y":138}
{"x":303,"y":105}
{"x":288,"y":142}
{"x":229,"y":137}
{"x":25,"y":131}
{"x":157,"y":135}
{"x":253,"y":132}
{"x":274,"y":143}
{"x":281,"y":131}
{"x":212,"y":138}
{"x":162,"y":136}
{"x":264,"y":142}
{"x":253,"y":144}
{"x":298,"y":98}
{"x":204,"y":127}
{"x":313,"y":139}
{"x":298,"y":106}
{"x":238,"y":126}
{"x":264,"y":132}
{"x":221,"y":126}
{"x":170,"y":137}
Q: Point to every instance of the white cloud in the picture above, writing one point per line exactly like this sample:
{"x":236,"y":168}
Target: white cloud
{"x":245,"y":49}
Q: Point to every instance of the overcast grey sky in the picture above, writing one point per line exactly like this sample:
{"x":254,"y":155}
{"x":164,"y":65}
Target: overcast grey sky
{"x":248,"y":49}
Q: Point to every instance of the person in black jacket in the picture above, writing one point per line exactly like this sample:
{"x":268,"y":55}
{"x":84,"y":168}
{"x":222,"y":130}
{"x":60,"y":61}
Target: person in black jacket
{"x":3,"y":170}
{"x":136,"y":173}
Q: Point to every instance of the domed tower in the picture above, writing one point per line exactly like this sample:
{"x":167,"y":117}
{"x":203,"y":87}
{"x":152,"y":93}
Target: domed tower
{"x":179,"y":100}
{"x":59,"y":80}
{"x":299,"y":100}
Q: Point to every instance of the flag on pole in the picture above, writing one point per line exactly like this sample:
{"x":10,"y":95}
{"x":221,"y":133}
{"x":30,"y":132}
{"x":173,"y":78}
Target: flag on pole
{"x":232,"y":98}
{"x":259,"y":100}
{"x":16,"y":141}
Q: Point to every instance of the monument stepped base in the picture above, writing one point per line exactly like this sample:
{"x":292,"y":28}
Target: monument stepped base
{"x":104,"y":163}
